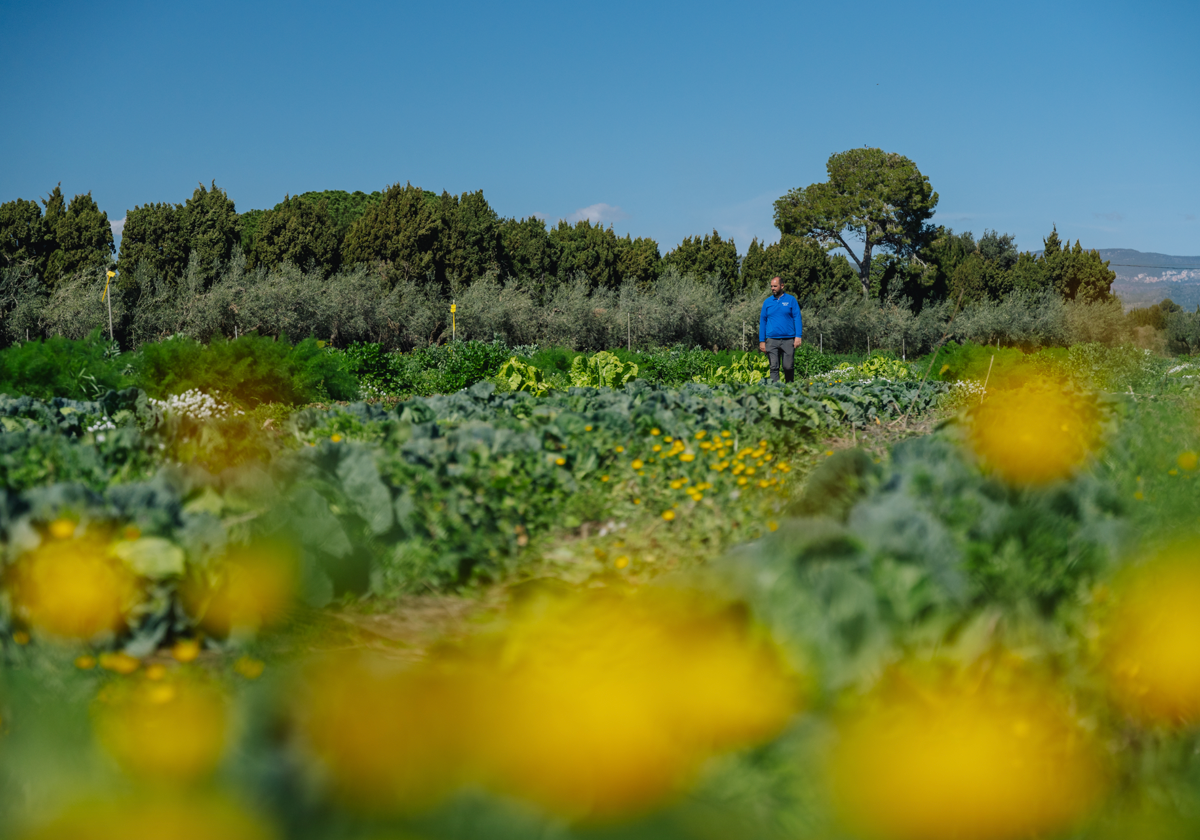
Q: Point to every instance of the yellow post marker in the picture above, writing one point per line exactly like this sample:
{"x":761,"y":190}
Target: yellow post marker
{"x":453,"y":329}
{"x":105,"y":297}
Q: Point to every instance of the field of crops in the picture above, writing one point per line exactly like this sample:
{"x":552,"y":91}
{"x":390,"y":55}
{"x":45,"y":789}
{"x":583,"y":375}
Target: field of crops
{"x":529,"y":593}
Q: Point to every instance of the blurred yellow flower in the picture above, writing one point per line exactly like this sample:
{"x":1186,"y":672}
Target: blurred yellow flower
{"x":185,"y":650}
{"x":1151,"y":638}
{"x":387,"y":738}
{"x":963,"y":757}
{"x":655,"y":432}
{"x":174,"y":729}
{"x":249,"y":667}
{"x":71,"y":588}
{"x":604,"y":706}
{"x":1034,"y":434}
{"x":119,"y":662}
{"x":668,"y":515}
{"x":179,"y":817}
{"x":687,"y":457}
{"x":252,"y":587}
{"x":621,"y":561}
{"x":560,"y":461}
{"x":62,"y":529}
{"x":1187,"y":460}
{"x":620,"y":449}
{"x":85,"y":662}
{"x":637,"y":464}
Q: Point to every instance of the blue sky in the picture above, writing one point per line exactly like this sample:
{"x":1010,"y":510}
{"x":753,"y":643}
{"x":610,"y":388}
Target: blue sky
{"x":666,"y":119}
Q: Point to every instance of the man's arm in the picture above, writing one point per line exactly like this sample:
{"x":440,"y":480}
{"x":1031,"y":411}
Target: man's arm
{"x":799,"y":324}
{"x":762,"y":328}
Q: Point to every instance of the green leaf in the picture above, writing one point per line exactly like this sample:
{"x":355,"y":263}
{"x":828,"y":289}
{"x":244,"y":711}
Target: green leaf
{"x":152,"y":557}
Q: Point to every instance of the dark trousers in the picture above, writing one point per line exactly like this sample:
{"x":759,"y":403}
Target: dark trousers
{"x":781,"y":352}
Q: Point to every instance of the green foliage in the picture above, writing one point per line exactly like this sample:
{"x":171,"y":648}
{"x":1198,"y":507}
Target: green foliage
{"x":879,"y":197}
{"x":592,"y":250}
{"x":299,"y":232}
{"x":522,"y":376}
{"x":886,"y":367}
{"x":470,"y":244}
{"x":344,"y":207}
{"x":23,"y":237}
{"x":530,"y":254}
{"x":601,"y":370}
{"x":402,"y":230}
{"x":210,"y":222}
{"x":748,"y":369}
{"x":80,"y":240}
{"x":1075,"y":273}
{"x":250,"y":370}
{"x":639,"y":261}
{"x":61,"y":367}
{"x":708,"y":257}
{"x":155,"y":239}
{"x":804,"y":266}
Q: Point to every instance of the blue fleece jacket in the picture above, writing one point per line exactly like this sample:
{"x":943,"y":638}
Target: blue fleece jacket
{"x":780,"y":318}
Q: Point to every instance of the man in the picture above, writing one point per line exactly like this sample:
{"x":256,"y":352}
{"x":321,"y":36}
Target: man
{"x":779,"y":330}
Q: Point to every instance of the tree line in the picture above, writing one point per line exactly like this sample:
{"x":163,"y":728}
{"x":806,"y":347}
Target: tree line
{"x":875,"y":208}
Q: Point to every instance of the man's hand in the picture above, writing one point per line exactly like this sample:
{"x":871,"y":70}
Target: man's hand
{"x":762,"y":347}
{"x":796,"y":343}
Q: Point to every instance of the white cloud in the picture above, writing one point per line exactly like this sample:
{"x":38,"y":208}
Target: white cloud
{"x":598,"y":214}
{"x":117,"y":225}
{"x":541,"y":216}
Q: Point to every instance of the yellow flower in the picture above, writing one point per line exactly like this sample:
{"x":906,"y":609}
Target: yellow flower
{"x":604,"y":478}
{"x":637,"y":501}
{"x":944,"y":758}
{"x":587,"y":428}
{"x":687,"y":457}
{"x":62,"y":529}
{"x":606,"y":706}
{"x":637,"y":464}
{"x":668,"y":438}
{"x":772,"y":525}
{"x":185,"y":650}
{"x":700,"y":434}
{"x":156,"y":671}
{"x":742,"y":481}
{"x":172,"y":729}
{"x":20,"y":637}
{"x":71,"y":588}
{"x":1035,"y":434}
{"x":1187,"y":460}
{"x":252,"y":587}
{"x":335,"y":438}
{"x":620,"y":449}
{"x":621,"y":562}
{"x":249,"y":667}
{"x":655,"y":432}
{"x":656,"y":448}
{"x":119,"y":662}
{"x":1152,"y":635}
{"x":726,"y":433}
{"x":386,"y":737}
{"x":85,"y":662}
{"x":560,"y":461}
{"x":668,"y":515}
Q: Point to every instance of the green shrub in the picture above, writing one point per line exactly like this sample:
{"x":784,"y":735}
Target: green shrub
{"x":82,"y":369}
{"x":250,"y":370}
{"x":601,"y":370}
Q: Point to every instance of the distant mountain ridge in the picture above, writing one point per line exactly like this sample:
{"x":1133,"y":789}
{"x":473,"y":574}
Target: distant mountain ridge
{"x":1145,"y":278}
